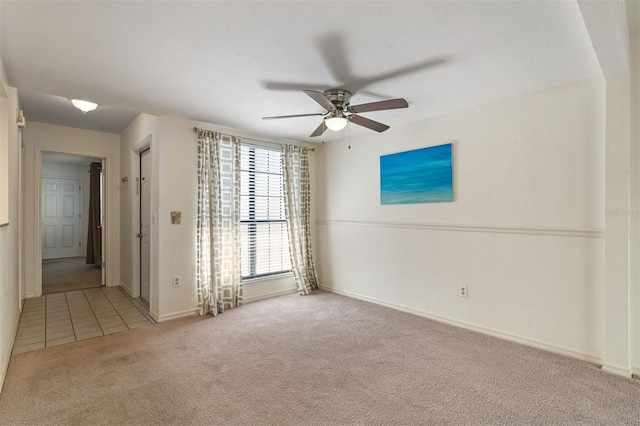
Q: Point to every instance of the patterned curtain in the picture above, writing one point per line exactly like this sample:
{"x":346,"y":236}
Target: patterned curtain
{"x":218,"y":266}
{"x":297,"y":202}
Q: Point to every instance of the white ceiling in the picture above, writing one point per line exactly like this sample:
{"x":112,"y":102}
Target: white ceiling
{"x":231,"y":63}
{"x":58,"y":110}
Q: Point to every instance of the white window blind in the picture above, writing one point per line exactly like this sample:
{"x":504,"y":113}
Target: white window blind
{"x":263,"y":227}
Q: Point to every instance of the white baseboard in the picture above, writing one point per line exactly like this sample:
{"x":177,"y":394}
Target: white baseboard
{"x":6,"y":356}
{"x":174,"y":315}
{"x":269,"y":295}
{"x":127,"y":289}
{"x":584,"y":356}
{"x":616,"y":369}
{"x":194,"y":311}
{"x":635,"y":371}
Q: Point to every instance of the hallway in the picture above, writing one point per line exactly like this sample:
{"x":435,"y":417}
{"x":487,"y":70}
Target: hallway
{"x":67,"y":274}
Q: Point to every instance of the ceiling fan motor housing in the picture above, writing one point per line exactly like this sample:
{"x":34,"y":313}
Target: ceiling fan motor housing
{"x":340,"y":98}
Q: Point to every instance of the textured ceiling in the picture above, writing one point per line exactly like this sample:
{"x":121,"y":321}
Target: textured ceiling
{"x":231,"y":63}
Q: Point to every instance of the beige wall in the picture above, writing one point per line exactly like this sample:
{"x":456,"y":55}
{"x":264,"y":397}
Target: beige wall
{"x":174,"y":157}
{"x":525,"y":232}
{"x":10,"y":269}
{"x":141,"y":133}
{"x":622,"y":237}
{"x":634,"y":192}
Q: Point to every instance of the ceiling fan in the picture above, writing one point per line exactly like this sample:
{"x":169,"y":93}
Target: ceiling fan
{"x":340,"y":111}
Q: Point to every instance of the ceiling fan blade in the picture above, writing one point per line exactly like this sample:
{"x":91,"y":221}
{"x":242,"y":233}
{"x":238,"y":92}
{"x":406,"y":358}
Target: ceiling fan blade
{"x":321,"y":99}
{"x":360,"y":83}
{"x":275,"y":117}
{"x":333,"y":49}
{"x":379,"y":106}
{"x":319,"y":130}
{"x":287,"y":85}
{"x":369,"y":124}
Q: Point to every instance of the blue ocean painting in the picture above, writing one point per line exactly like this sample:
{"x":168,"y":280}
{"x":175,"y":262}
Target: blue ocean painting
{"x":419,"y":176}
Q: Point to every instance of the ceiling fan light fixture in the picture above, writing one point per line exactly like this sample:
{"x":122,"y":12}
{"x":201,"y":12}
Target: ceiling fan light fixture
{"x":335,"y":123}
{"x":84,"y":106}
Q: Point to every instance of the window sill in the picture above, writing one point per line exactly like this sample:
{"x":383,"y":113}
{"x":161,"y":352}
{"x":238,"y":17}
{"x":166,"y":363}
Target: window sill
{"x":269,"y":278}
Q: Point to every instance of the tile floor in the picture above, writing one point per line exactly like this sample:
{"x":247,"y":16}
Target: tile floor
{"x":58,"y":318}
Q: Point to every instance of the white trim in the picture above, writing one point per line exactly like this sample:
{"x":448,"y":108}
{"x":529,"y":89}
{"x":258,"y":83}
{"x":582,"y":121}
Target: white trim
{"x":37,"y":225}
{"x":260,"y":144}
{"x":617,"y":370}
{"x":195,"y":311}
{"x":127,"y":289}
{"x":21,"y":290}
{"x":270,"y":295}
{"x":635,"y":371}
{"x":267,"y":278}
{"x":134,"y":154}
{"x":175,"y":315}
{"x":550,"y":347}
{"x":5,"y":153}
{"x":556,"y":232}
{"x":7,"y":355}
{"x":270,"y":145}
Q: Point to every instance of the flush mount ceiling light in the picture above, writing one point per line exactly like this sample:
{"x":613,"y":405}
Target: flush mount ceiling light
{"x":84,"y":106}
{"x":336,"y":122}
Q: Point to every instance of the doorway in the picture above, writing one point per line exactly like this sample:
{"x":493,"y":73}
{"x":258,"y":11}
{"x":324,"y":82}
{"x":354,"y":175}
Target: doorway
{"x":145,"y":224}
{"x":72,"y":217}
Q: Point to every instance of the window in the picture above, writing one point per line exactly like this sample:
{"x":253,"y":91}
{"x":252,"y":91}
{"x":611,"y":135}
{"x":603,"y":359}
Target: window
{"x":263,"y":226}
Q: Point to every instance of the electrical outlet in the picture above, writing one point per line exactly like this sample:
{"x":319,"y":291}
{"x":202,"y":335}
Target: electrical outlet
{"x":176,"y":281}
{"x":463,"y":291}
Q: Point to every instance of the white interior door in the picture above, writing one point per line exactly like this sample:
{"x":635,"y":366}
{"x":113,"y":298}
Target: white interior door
{"x":145,"y":223}
{"x":60,"y":218}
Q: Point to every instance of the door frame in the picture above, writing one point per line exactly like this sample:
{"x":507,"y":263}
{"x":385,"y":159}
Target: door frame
{"x":139,"y":228}
{"x":110,"y":249}
{"x":103,"y":217}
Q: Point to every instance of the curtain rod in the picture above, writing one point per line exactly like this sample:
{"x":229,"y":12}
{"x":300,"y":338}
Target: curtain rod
{"x":195,"y":129}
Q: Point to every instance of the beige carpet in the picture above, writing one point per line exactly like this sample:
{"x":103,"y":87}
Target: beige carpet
{"x":321,"y":359}
{"x":68,"y":274}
